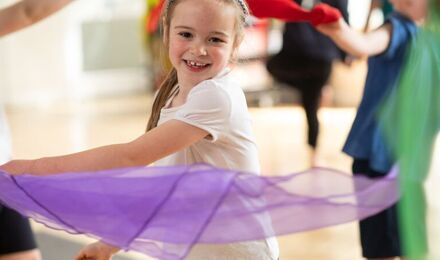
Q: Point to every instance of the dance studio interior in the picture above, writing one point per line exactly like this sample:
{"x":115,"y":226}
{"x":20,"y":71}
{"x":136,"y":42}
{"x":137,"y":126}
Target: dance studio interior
{"x":86,"y":76}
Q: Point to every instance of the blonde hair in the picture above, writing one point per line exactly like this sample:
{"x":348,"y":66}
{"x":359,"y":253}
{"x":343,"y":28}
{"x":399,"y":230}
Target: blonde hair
{"x":171,"y":80}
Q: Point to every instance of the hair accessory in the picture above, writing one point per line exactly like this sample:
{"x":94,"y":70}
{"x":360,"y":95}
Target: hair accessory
{"x":167,"y":7}
{"x":242,"y":4}
{"x":244,"y":7}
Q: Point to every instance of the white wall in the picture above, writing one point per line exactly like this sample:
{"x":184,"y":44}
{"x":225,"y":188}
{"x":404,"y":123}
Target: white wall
{"x":33,"y":61}
{"x":43,"y":63}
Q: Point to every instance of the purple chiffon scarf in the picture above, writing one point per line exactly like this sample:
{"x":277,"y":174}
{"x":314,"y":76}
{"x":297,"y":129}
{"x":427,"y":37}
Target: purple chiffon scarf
{"x":164,"y":211}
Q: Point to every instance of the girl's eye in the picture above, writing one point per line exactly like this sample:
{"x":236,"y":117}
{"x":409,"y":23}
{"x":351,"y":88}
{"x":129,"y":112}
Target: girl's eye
{"x":185,"y":34}
{"x":216,"y":40}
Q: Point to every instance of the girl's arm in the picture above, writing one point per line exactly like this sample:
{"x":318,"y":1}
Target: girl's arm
{"x":27,"y":12}
{"x":163,"y":140}
{"x":356,"y":43}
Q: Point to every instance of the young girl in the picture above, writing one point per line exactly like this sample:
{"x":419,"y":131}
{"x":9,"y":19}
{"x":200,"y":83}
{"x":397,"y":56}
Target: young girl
{"x":387,"y":47}
{"x":199,"y":115}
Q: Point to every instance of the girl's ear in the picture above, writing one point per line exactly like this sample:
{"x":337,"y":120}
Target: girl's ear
{"x":234,"y":55}
{"x":236,"y":47}
{"x":238,"y":41}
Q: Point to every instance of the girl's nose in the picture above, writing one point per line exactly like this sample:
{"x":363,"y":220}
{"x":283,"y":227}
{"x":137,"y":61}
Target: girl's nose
{"x":199,"y":50}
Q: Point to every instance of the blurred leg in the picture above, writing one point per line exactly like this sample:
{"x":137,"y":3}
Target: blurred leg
{"x":310,"y":98}
{"x":379,"y":234}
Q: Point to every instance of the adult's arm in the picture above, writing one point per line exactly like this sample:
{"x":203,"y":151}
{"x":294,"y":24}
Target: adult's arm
{"x":27,"y":12}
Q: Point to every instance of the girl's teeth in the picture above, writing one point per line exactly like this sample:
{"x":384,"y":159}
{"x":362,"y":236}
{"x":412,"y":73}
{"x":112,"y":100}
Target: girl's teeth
{"x":196,"y":64}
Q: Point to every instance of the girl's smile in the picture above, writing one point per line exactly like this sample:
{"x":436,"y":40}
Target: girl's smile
{"x":195,"y":66}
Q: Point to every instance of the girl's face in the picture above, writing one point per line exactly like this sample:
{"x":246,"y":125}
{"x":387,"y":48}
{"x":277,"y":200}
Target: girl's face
{"x":201,"y":39}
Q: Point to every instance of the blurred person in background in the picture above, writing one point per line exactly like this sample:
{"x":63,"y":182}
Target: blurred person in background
{"x":386,"y":48}
{"x":305,"y":63}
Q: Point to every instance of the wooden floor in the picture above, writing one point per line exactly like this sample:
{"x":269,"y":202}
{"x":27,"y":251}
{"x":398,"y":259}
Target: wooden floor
{"x":70,"y":127}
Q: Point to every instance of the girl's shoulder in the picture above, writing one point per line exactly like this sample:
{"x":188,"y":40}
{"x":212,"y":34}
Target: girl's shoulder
{"x":217,"y":86}
{"x":208,"y":87}
{"x":209,"y":94}
{"x":216,"y":94}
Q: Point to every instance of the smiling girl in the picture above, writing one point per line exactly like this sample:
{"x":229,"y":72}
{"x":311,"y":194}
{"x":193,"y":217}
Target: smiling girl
{"x":199,"y":115}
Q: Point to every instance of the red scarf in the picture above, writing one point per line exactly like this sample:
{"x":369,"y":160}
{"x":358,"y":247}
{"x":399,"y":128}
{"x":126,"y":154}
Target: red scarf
{"x":290,"y":11}
{"x":286,"y":10}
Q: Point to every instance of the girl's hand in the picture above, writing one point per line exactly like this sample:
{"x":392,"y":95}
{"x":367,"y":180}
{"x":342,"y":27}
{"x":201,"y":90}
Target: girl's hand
{"x":97,"y":251}
{"x":17,"y":167}
{"x":331,"y":29}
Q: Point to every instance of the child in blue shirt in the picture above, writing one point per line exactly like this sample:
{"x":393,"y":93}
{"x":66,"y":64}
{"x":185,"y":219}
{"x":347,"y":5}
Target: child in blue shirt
{"x":386,"y":47}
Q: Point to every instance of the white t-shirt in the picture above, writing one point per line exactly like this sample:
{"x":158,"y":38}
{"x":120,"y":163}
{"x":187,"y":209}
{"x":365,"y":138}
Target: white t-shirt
{"x":219,"y":107}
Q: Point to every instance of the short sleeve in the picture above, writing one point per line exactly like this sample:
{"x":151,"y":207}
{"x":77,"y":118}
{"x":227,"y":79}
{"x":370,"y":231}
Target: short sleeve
{"x":208,"y":107}
{"x":401,"y":35}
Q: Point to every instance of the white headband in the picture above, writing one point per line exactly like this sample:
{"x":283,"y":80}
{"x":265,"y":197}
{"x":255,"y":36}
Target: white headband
{"x":242,"y":4}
